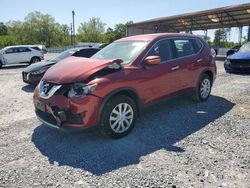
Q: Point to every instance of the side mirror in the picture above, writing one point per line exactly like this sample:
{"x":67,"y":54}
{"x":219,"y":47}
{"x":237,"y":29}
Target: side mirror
{"x":152,"y":60}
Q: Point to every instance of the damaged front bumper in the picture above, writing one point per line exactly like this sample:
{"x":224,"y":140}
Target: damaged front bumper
{"x":60,"y":112}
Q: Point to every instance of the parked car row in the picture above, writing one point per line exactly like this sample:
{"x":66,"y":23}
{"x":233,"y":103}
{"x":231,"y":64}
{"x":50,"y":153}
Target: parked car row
{"x":33,"y":73}
{"x":110,"y":88}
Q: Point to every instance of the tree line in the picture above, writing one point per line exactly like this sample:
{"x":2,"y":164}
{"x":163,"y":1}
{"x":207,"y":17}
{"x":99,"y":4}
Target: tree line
{"x":38,"y":28}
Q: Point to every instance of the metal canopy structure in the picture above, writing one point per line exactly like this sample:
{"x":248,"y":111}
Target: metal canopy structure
{"x":224,"y":17}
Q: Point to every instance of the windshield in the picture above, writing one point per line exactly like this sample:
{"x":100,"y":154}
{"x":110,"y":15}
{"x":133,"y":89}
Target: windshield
{"x":245,"y":47}
{"x":63,"y":55}
{"x":126,"y":51}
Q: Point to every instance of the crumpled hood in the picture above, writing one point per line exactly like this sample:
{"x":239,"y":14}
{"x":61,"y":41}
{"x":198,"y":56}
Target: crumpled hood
{"x":74,"y":69}
{"x":240,"y":55}
{"x":39,"y":65}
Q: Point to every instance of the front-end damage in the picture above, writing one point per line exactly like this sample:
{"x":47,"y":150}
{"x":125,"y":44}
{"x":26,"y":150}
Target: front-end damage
{"x":71,"y":104}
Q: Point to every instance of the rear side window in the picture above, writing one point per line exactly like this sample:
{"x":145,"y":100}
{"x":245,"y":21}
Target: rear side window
{"x":163,"y":49}
{"x":184,"y":47}
{"x":197,"y":44}
{"x":85,"y":52}
{"x":23,"y":49}
{"x":36,"y":48}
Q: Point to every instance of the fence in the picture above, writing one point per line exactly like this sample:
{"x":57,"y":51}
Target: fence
{"x":61,"y":49}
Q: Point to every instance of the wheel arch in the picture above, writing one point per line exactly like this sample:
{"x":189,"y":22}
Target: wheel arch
{"x":209,"y":73}
{"x":34,"y":57}
{"x":130,"y":92}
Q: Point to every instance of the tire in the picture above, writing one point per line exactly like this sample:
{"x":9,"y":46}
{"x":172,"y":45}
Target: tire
{"x":34,"y":60}
{"x":114,"y":125}
{"x":1,"y":64}
{"x":203,"y":89}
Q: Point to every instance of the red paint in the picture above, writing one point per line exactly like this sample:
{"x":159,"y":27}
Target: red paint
{"x":149,"y":82}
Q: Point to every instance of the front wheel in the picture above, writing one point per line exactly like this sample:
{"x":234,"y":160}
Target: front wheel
{"x":203,"y":89}
{"x":118,"y":116}
{"x":34,"y":60}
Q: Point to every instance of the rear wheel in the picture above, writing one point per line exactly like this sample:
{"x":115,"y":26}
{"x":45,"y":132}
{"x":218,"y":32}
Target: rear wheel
{"x":119,"y":116}
{"x":203,"y":89}
{"x":34,"y":60}
{"x":1,"y":64}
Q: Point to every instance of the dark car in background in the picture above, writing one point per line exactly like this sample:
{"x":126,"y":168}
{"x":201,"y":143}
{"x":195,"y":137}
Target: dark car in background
{"x":233,"y":50}
{"x":33,"y":73}
{"x":239,"y":61}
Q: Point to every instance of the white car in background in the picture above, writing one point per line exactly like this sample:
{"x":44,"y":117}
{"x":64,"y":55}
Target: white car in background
{"x":20,"y":54}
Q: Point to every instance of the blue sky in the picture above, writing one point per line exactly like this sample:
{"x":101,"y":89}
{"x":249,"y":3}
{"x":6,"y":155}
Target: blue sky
{"x":109,"y":11}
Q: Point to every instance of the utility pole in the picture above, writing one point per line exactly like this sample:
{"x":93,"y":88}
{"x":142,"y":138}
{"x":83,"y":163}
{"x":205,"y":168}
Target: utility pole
{"x":73,"y":16}
{"x":71,"y":34}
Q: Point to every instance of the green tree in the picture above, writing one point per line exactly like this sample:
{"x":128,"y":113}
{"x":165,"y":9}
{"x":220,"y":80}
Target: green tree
{"x":121,"y":29}
{"x":6,"y":40}
{"x":91,"y":31}
{"x":39,"y":28}
{"x":109,"y":35}
{"x":3,"y":29}
{"x":220,"y":37}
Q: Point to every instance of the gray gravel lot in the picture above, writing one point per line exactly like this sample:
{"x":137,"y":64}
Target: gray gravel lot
{"x":176,"y":143}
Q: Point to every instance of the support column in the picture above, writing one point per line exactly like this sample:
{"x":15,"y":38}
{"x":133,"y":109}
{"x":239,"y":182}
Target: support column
{"x":156,"y":28}
{"x":206,"y":35}
{"x":240,"y":35}
{"x":248,"y":33}
{"x":191,"y":26}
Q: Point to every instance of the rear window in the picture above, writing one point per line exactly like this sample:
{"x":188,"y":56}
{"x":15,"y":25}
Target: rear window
{"x":23,"y":49}
{"x":36,"y":48}
{"x":183,"y":47}
{"x":86,"y":52}
{"x":197,"y":45}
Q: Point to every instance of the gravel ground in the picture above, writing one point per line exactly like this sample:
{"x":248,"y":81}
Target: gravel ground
{"x":177,"y":143}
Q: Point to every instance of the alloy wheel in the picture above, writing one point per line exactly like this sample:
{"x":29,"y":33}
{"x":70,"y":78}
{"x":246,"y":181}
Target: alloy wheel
{"x":205,"y":88}
{"x":121,"y":117}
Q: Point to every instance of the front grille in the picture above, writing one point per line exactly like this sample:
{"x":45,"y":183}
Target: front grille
{"x":46,"y":117}
{"x":240,"y":63}
{"x":25,"y":76}
{"x":70,"y":118}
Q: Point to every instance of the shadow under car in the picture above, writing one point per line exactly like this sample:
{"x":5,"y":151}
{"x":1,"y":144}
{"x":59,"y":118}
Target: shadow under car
{"x":159,"y":127}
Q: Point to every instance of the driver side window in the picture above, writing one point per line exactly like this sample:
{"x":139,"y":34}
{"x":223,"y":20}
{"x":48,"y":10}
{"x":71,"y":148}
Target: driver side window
{"x":162,"y":49}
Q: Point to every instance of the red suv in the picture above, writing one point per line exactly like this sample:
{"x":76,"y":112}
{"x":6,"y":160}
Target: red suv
{"x":110,"y":88}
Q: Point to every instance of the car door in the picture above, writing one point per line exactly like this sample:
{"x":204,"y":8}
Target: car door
{"x":186,"y":54}
{"x":163,"y":79}
{"x":24,"y":54}
{"x":10,"y":55}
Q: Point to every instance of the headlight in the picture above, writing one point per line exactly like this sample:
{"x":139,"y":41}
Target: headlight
{"x":80,"y":89}
{"x":39,"y":72}
{"x":227,"y":61}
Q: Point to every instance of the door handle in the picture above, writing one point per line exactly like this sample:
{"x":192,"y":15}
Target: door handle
{"x":199,"y":60}
{"x":175,"y":68}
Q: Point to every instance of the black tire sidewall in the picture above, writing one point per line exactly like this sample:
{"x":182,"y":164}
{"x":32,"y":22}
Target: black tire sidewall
{"x":109,"y":106}
{"x":33,"y":58}
{"x":203,"y":77}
